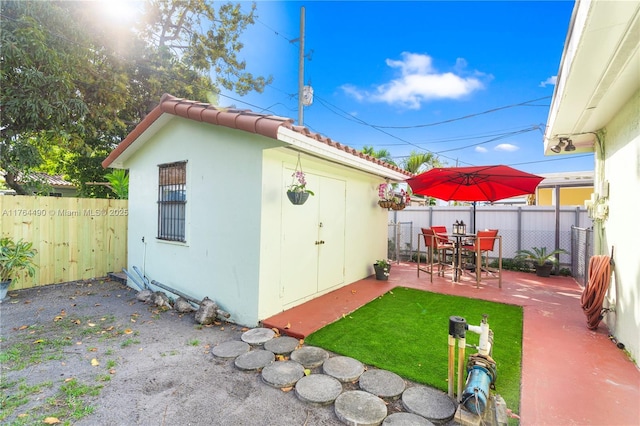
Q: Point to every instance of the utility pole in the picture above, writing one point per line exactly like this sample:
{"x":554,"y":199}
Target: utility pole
{"x":301,"y":70}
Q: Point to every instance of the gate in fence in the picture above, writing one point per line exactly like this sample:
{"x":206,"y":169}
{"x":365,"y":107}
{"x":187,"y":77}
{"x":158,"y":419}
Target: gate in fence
{"x":401,"y":241}
{"x":581,"y":252}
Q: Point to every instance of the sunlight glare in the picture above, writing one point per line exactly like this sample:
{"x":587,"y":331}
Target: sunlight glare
{"x":120,"y":11}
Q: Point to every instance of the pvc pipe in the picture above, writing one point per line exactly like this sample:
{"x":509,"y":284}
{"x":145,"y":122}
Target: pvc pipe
{"x":133,"y":279}
{"x":461,"y":364}
{"x":474,"y":328}
{"x":144,"y":279}
{"x":452,"y":356}
{"x":485,"y":346}
{"x":174,"y":291}
{"x":483,"y":330}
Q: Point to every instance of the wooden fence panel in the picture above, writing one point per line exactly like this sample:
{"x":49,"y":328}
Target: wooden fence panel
{"x":76,"y":238}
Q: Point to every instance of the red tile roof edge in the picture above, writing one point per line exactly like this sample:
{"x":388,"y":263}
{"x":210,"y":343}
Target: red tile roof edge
{"x":245,"y":120}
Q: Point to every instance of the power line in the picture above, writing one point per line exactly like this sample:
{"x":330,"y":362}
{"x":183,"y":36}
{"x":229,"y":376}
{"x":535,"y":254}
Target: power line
{"x":520,"y":132}
{"x":489,"y":111}
{"x":569,"y":157}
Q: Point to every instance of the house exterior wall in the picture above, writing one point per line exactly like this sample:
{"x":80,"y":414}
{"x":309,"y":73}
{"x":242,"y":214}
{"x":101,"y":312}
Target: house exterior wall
{"x":570,"y":196}
{"x":221,"y":256}
{"x":365,"y":224}
{"x":619,"y":165}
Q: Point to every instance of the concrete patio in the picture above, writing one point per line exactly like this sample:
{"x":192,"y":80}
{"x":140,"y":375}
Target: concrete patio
{"x":570,"y":374}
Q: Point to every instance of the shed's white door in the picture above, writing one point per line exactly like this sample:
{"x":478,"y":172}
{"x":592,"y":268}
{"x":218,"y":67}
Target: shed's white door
{"x":313,"y":240}
{"x":331,"y":230}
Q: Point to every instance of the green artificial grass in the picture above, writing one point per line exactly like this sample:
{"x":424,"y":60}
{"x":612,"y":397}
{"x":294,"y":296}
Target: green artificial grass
{"x":406,"y":331}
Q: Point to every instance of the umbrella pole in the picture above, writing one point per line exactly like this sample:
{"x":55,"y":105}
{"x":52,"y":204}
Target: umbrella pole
{"x":474,"y":217}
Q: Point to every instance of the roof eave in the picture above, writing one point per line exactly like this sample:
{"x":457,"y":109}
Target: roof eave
{"x":332,"y":152}
{"x":598,"y":72}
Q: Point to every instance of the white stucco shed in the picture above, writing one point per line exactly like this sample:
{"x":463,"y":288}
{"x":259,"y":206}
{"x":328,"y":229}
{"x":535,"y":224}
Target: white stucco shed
{"x":244,"y":244}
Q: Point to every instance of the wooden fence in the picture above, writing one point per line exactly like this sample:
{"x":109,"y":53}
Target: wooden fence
{"x":75,"y":238}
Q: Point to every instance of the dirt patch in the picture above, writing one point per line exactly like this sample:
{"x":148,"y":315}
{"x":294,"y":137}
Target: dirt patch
{"x":89,"y":353}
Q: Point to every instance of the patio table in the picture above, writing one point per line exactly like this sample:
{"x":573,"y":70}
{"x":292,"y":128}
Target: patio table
{"x":458,"y":267}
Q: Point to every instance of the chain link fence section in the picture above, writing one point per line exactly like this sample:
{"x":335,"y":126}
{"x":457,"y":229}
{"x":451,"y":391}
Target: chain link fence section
{"x":400,"y":241}
{"x":581,"y":252}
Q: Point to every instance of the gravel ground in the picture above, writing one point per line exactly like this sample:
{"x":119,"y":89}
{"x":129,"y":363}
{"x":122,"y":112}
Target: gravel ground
{"x":154,"y":367}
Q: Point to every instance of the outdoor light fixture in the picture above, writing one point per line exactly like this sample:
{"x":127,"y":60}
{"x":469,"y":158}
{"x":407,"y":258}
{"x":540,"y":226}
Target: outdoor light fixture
{"x":558,"y":147}
{"x":562,"y":142}
{"x":570,"y":146}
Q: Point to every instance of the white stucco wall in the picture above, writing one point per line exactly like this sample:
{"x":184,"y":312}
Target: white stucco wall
{"x":236,"y":205}
{"x":221,"y":256}
{"x":365,"y":225}
{"x":620,"y":166}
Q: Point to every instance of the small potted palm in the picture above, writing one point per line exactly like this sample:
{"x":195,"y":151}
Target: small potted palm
{"x":15,"y":257}
{"x":543,"y":262}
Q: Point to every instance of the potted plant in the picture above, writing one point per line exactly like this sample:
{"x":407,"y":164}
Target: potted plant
{"x":297,"y":191}
{"x":401,"y":200}
{"x":15,"y":257}
{"x":385,"y":195}
{"x":382,"y":268}
{"x":543,"y":262}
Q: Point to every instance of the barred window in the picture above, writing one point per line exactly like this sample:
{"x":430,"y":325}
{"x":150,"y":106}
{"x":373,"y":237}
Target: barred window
{"x":172,"y":200}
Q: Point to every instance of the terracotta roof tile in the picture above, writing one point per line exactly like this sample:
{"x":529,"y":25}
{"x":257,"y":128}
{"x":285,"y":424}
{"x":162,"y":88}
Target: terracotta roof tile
{"x":245,"y":120}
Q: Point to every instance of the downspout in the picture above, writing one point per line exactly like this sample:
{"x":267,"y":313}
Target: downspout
{"x":599,"y":178}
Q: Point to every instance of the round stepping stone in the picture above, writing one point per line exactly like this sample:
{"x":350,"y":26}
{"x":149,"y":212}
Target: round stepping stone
{"x":231,"y":349}
{"x":406,"y":419}
{"x":310,"y":356}
{"x":282,"y":374}
{"x":257,"y":336}
{"x":382,"y":383}
{"x":343,"y":368}
{"x":282,"y":345}
{"x":429,"y":403}
{"x":254,"y":360}
{"x":318,"y":389}
{"x":360,"y":408}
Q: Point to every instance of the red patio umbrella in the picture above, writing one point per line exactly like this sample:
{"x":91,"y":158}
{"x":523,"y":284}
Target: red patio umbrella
{"x":477,"y":183}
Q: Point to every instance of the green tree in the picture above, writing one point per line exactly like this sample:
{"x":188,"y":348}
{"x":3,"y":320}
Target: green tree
{"x":205,"y":39}
{"x":418,"y":162}
{"x":72,"y":79}
{"x":38,"y":96}
{"x":119,"y":183}
{"x":381,"y":154}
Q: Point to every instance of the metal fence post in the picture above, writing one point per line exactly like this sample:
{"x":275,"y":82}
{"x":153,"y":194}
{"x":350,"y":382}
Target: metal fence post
{"x":519,"y":229}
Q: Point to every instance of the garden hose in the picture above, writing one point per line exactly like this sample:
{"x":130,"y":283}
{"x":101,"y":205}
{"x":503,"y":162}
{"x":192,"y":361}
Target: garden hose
{"x":596,"y":289}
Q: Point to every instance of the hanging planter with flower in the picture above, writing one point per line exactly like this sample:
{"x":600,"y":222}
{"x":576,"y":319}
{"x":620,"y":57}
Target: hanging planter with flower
{"x":385,"y":193}
{"x":401,"y":200}
{"x":297,"y":191}
{"x":389,"y":199}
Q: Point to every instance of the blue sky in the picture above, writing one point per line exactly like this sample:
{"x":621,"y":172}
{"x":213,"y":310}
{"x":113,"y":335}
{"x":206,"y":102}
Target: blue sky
{"x":470,"y":81}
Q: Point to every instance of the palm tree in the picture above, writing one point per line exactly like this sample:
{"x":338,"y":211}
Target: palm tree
{"x":418,"y":162}
{"x":381,"y":154}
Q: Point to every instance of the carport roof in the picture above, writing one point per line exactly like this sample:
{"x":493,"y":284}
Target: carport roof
{"x":279,"y":128}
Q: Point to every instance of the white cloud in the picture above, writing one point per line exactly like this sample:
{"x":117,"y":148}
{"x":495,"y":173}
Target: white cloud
{"x":353,"y":91}
{"x":419,"y":82}
{"x":549,"y":81}
{"x":506,"y":147}
{"x":481,"y":149}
